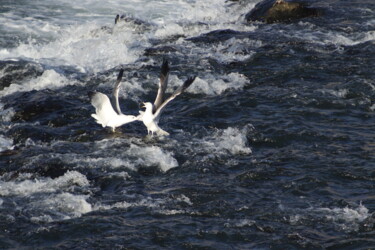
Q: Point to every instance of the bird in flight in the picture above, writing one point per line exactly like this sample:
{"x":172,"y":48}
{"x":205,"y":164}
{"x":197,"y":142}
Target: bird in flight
{"x":105,"y":114}
{"x":150,"y":117}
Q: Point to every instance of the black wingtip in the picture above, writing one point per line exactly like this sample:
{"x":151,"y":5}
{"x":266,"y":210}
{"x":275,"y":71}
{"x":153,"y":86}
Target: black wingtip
{"x":119,"y":77}
{"x":165,"y":67}
{"x":91,"y":94}
{"x":188,"y":82}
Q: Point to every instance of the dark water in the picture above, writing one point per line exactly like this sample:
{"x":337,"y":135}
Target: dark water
{"x":272,"y":147}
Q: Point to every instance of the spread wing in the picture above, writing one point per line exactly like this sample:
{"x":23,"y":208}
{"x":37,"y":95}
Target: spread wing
{"x":177,"y":92}
{"x":103,"y":108}
{"x":116,"y":90}
{"x":163,"y":82}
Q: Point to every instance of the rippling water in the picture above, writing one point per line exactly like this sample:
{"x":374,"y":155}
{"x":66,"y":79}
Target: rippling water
{"x":271,"y":147}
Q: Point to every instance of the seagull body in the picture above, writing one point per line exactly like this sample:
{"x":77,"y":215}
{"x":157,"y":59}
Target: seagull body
{"x":105,"y":115}
{"x":150,"y":117}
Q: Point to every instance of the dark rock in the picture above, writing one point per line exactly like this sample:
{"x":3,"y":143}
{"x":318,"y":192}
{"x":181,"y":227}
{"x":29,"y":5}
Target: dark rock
{"x":137,"y":25}
{"x":217,"y":36}
{"x":271,"y":11}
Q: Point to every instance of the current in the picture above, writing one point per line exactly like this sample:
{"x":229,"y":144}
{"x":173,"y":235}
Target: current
{"x":272,"y":147}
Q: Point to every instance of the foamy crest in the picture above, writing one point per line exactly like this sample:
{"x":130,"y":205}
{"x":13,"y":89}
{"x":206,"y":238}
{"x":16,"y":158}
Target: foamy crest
{"x":6,"y":115}
{"x":43,"y":185}
{"x":49,"y":79}
{"x":151,"y":156}
{"x":59,"y":207}
{"x":95,"y":44}
{"x":120,"y":155}
{"x":157,"y":205}
{"x":212,"y":85}
{"x":341,"y":93}
{"x":346,"y":219}
{"x":232,"y":140}
{"x":143,"y":202}
{"x":5,"y":143}
{"x":324,"y":37}
{"x":235,"y":50}
{"x":102,"y":162}
{"x":240,"y":223}
{"x":46,"y":199}
{"x":86,"y":47}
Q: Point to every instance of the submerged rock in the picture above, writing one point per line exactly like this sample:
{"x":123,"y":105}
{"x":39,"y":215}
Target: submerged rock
{"x":271,"y":11}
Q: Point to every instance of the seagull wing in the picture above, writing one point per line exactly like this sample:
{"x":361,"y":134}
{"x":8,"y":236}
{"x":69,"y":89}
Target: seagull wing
{"x":178,"y":91}
{"x":116,"y":90}
{"x":163,"y":82}
{"x":103,"y":108}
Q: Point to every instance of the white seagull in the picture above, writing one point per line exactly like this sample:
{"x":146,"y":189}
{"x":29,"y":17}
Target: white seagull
{"x":105,"y":114}
{"x":150,"y":117}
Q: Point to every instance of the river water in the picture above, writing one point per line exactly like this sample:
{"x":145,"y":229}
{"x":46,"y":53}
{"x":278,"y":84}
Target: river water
{"x":272,"y":146}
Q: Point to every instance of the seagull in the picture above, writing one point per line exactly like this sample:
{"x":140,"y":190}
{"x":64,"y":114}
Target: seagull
{"x":150,"y":117}
{"x":105,"y":114}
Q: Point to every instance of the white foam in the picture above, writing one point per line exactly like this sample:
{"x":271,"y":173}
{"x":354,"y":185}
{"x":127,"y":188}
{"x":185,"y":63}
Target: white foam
{"x":346,"y":215}
{"x":232,"y":140}
{"x":43,"y":185}
{"x":240,"y":223}
{"x":157,"y":205}
{"x":102,"y":162}
{"x":6,"y":115}
{"x":211,"y":84}
{"x":86,"y":47}
{"x":314,"y":34}
{"x":119,"y":154}
{"x":184,"y":199}
{"x":59,"y":207}
{"x":153,"y":155}
{"x":143,"y":202}
{"x":46,"y":199}
{"x":49,"y":79}
{"x":79,"y":40}
{"x":341,"y":93}
{"x":235,"y":50}
{"x":5,"y":143}
{"x":346,"y":219}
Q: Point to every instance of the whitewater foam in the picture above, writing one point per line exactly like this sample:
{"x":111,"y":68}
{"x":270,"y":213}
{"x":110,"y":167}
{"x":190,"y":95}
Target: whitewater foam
{"x":346,"y":219}
{"x":43,"y":185}
{"x":153,"y":155}
{"x":210,"y":84}
{"x":94,"y":44}
{"x":232,"y":140}
{"x":5,"y":143}
{"x":57,"y":207}
{"x":6,"y":115}
{"x":49,"y":79}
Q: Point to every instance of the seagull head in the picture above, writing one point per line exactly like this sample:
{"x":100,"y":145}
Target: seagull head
{"x":146,"y":105}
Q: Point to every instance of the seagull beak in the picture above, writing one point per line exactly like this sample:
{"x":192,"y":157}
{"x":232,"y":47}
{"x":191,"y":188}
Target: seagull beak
{"x":143,"y":105}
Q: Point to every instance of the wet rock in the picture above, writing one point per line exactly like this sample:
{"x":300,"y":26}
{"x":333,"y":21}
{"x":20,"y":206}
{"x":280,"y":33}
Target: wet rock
{"x":271,"y":11}
{"x":137,"y":25}
{"x":217,"y":36}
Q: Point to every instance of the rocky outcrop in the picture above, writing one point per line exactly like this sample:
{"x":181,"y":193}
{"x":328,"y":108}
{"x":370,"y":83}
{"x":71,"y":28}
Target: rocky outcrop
{"x":271,"y":11}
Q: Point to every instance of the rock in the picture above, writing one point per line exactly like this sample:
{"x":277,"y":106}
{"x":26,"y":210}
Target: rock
{"x":271,"y":11}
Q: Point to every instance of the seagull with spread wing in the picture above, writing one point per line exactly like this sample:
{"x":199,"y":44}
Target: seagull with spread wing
{"x":150,"y":117}
{"x":105,"y":114}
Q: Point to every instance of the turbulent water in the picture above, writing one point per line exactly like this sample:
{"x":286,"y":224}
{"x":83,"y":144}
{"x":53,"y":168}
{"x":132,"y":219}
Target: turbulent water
{"x":273,"y":146}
